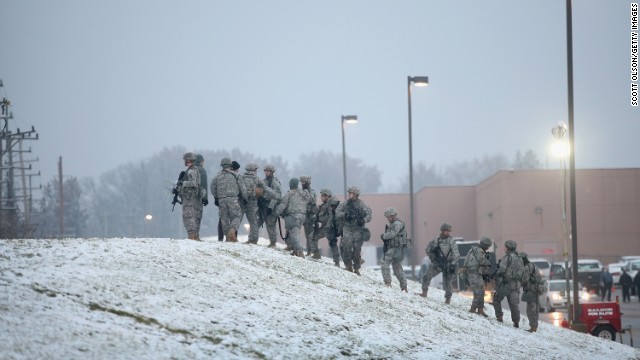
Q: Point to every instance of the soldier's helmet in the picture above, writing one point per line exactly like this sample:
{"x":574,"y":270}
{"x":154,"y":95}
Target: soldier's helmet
{"x":225,"y":162}
{"x":305,"y":179}
{"x":510,"y":245}
{"x":523,"y":255}
{"x":270,"y":167}
{"x":445,"y":227}
{"x":485,"y":242}
{"x":355,"y":190}
{"x":251,"y":167}
{"x":199,"y":159}
{"x":334,"y":202}
{"x":189,"y":156}
{"x":326,"y":192}
{"x":293,"y":183}
{"x":390,"y":212}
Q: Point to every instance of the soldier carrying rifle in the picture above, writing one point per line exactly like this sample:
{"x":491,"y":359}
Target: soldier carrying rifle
{"x":444,"y":255}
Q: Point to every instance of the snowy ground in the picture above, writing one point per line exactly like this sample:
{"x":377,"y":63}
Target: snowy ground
{"x":181,"y":299}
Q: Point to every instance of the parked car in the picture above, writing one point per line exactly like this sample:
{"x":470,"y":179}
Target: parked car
{"x":632,"y":267}
{"x":543,"y":265}
{"x":555,"y":296}
{"x":557,"y":271}
{"x":589,"y":271}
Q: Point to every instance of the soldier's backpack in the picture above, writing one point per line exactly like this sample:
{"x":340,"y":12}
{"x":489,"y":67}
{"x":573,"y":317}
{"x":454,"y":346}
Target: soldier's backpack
{"x":536,"y":281}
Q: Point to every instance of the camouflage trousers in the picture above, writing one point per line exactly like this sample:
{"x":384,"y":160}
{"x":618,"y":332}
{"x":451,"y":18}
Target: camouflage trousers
{"x":191,"y":216}
{"x":476,"y":285}
{"x":432,"y":272}
{"x":251,"y":211}
{"x":308,"y":232}
{"x":293,"y":223}
{"x":230,"y":213}
{"x":393,"y":257}
{"x":513,"y":299}
{"x":351,"y":246}
{"x":532,"y":313}
{"x":271,"y":220}
{"x":333,"y":244}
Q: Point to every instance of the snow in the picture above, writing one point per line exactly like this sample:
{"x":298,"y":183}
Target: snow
{"x":183,"y":299}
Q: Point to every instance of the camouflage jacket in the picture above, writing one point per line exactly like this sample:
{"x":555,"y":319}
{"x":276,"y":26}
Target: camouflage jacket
{"x":509,"y":270}
{"x":251,"y":180}
{"x":396,"y":234}
{"x":203,"y":182}
{"x":189,"y":187}
{"x":353,"y":211}
{"x":272,"y":193}
{"x":293,"y":202}
{"x":227,"y":184}
{"x":446,"y":248}
{"x":476,"y":261}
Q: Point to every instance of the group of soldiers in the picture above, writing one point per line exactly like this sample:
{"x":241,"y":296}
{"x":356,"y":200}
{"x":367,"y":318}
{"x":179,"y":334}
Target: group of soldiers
{"x":513,"y":272}
{"x":262,"y":202}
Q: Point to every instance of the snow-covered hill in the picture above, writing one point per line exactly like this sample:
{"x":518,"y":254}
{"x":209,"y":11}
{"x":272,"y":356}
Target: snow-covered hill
{"x":181,"y":299}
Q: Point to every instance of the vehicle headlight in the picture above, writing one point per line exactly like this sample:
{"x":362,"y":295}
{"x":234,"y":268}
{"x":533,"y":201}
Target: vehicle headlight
{"x":556,"y":297}
{"x":585,"y":296}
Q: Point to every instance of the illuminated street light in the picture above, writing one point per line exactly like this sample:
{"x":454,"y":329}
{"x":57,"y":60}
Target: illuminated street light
{"x":346,"y":120}
{"x":417,"y":81}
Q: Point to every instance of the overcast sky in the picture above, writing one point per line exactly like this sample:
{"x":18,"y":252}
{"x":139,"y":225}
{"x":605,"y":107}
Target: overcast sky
{"x":109,"y":82}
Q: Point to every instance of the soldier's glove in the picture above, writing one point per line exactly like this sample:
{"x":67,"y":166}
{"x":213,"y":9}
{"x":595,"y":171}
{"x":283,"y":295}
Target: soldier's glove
{"x":360,"y":222}
{"x":215,"y":202}
{"x":205,"y":202}
{"x":259,"y":192}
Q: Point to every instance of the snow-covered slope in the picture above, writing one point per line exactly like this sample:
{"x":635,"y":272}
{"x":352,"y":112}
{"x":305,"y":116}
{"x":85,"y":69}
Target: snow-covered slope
{"x":181,"y":299}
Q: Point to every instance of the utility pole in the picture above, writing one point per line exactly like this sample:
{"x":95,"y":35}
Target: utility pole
{"x":61,"y":197}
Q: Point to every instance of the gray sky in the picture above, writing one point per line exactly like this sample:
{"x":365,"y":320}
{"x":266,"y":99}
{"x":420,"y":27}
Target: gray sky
{"x":108,"y":82}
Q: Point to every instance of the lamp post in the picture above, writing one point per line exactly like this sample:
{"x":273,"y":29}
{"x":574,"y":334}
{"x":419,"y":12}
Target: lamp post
{"x":147,"y":222}
{"x":417,"y":81}
{"x":561,"y":149}
{"x":346,"y":119}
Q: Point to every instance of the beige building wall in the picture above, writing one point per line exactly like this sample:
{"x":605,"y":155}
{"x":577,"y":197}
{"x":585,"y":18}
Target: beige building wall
{"x":526,"y":206}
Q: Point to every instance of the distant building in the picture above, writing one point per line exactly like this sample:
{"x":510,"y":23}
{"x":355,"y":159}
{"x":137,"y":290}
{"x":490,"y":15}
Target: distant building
{"x":526,"y":206}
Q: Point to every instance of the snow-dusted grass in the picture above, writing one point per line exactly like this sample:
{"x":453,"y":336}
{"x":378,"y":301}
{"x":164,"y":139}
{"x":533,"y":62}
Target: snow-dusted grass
{"x":182,"y":299}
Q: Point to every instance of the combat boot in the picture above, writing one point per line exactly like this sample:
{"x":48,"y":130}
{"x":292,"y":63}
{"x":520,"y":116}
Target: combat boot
{"x":473,"y":309}
{"x":348,"y":268}
{"x":447,"y":300}
{"x":423,"y":293}
{"x":231,"y":235}
{"x":387,"y":284}
{"x":191,"y":236}
{"x":533,"y":329}
{"x":404,"y":289}
{"x":516,"y":325}
{"x":272,"y":245}
{"x":499,"y":318}
{"x":337,"y":264}
{"x":288,"y":248}
{"x":481,"y":312}
{"x":357,"y":272}
{"x":317,"y":256}
{"x":300,"y":253}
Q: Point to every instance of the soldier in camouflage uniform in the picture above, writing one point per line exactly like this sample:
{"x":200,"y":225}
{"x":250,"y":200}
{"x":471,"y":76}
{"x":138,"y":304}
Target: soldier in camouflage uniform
{"x":476,"y":270}
{"x":508,"y":283}
{"x":293,"y":208}
{"x":312,"y":212}
{"x":444,"y":255}
{"x":353,"y":214}
{"x":250,"y":208}
{"x":395,"y":242}
{"x":227,"y":190}
{"x":531,"y":280}
{"x":325,"y":227}
{"x":191,"y":195}
{"x":334,"y":229}
{"x":268,"y":202}
{"x":203,"y":185}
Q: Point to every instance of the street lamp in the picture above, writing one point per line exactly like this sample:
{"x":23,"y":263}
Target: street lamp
{"x":417,"y":81}
{"x":148,"y":219}
{"x":560,"y":149}
{"x":346,"y":119}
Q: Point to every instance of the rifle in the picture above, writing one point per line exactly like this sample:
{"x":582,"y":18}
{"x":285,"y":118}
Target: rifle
{"x":385,"y":243}
{"x":220,"y":231}
{"x":175,"y":191}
